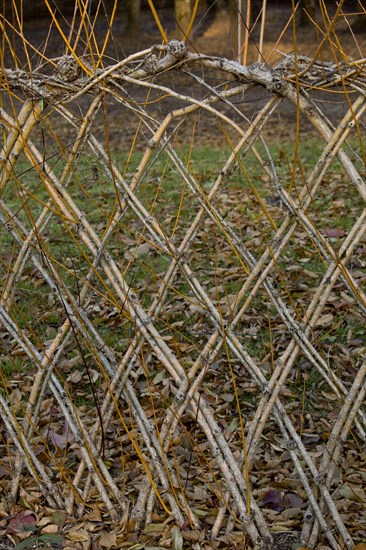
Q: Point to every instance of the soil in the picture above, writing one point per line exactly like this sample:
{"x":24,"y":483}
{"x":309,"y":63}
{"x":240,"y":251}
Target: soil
{"x":214,"y":34}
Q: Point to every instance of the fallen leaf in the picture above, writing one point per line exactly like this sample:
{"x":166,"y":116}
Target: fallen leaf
{"x":290,"y":500}
{"x":24,"y":521}
{"x":273,"y":499}
{"x":95,"y":515}
{"x":194,"y":536}
{"x":51,"y":528}
{"x":75,"y":377}
{"x":353,"y":492}
{"x":107,"y":539}
{"x":333,"y":233}
{"x":177,"y":539}
{"x":79,"y":535}
{"x":62,"y":440}
{"x":330,"y":396}
{"x":154,"y":528}
{"x":278,"y":500}
{"x":324,"y":320}
{"x":44,"y":521}
{"x":58,"y":517}
{"x":5,"y":471}
{"x":228,"y":397}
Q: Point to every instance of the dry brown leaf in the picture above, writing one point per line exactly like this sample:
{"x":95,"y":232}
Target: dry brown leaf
{"x":58,"y":517}
{"x":330,"y":396}
{"x":71,"y":363}
{"x":44,"y":521}
{"x":353,"y":492}
{"x":177,"y":539}
{"x":78,"y":535}
{"x":95,"y":515}
{"x":154,"y":528}
{"x":51,"y":528}
{"x":75,"y":377}
{"x":22,"y":522}
{"x":107,"y":539}
{"x":324,"y":320}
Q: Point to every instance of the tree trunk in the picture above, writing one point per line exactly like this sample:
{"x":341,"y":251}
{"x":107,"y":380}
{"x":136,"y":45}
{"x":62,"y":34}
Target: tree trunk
{"x":133,"y":8}
{"x":358,"y":22}
{"x":183,"y":11}
{"x":307,"y":11}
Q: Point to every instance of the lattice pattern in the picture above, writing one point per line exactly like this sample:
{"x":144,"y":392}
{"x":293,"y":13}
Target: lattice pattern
{"x":137,"y":269}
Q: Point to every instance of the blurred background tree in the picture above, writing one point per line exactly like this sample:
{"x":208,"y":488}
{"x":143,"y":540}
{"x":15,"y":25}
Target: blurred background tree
{"x":183,"y":12}
{"x":38,"y":8}
{"x":133,"y":9}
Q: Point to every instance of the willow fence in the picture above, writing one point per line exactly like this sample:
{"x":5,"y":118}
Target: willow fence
{"x":153,"y":448}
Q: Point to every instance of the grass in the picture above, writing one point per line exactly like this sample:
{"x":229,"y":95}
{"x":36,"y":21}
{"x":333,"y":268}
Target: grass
{"x":12,"y":365}
{"x":165,"y":195}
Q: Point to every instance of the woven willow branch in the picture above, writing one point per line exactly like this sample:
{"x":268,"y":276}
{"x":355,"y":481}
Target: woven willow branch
{"x":291,"y":80}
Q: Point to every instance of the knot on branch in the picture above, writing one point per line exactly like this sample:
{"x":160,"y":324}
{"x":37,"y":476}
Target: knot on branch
{"x":277,"y":85}
{"x":177,"y":48}
{"x":68,"y":68}
{"x":246,"y":518}
{"x":291,"y":445}
{"x":308,"y":516}
{"x":151,"y":63}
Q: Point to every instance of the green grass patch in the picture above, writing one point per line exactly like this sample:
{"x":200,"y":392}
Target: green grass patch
{"x":248,"y":204}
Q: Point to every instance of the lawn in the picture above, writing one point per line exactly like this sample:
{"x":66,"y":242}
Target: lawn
{"x":251,"y":208}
